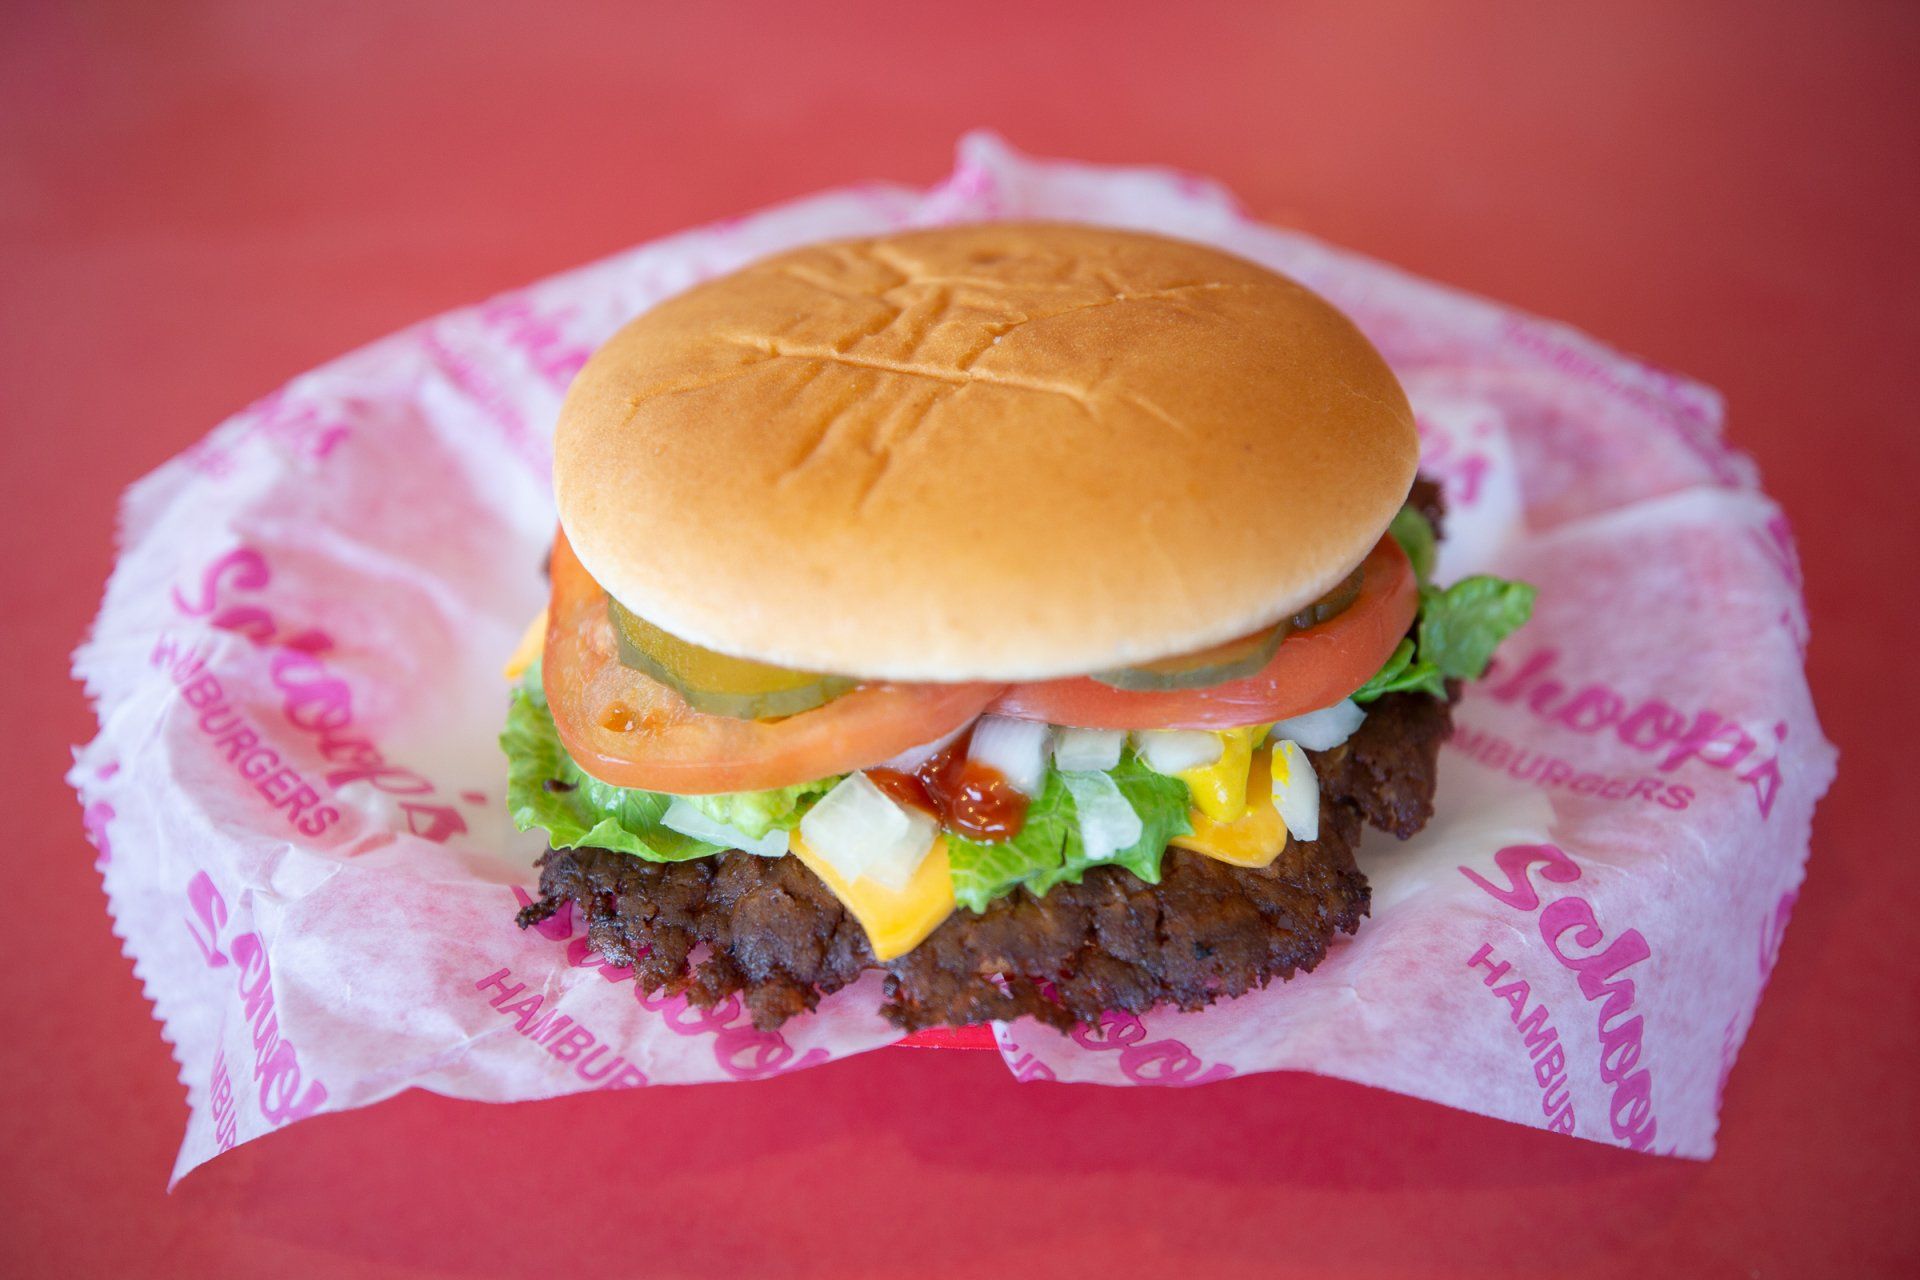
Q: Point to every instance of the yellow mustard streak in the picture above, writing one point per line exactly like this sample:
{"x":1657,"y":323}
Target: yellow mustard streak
{"x":1254,"y":838}
{"x":1220,"y":789}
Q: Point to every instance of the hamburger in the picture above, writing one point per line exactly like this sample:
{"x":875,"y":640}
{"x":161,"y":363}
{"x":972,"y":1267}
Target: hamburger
{"x":1037,"y":613}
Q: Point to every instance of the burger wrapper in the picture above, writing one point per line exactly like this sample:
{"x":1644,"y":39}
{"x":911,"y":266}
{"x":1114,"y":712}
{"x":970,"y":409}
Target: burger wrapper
{"x":298,"y":799}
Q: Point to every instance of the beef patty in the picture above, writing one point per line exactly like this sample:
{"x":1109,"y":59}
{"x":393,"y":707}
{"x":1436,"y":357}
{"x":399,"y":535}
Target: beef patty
{"x":767,"y":929}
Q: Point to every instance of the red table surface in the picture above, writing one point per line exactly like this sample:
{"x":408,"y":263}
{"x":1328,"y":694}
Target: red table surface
{"x":199,"y":201}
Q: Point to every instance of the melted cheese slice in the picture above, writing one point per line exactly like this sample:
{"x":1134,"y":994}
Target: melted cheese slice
{"x":528,"y":651}
{"x":896,"y":922}
{"x":1254,"y":838}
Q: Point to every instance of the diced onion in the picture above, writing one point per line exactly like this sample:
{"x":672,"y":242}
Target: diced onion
{"x":1178,"y":750}
{"x":1017,"y":749}
{"x":894,"y":867}
{"x":1296,"y":792}
{"x":913,"y":757}
{"x":685,"y":817}
{"x":1325,"y":729}
{"x":1081,"y":750}
{"x":1108,"y":824}
{"x":859,"y":830}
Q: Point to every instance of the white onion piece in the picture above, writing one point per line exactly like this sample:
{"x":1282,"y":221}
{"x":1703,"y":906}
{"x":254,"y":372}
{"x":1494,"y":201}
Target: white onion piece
{"x":1108,"y":824}
{"x":1325,"y":729}
{"x":894,"y":866}
{"x":1178,"y":750}
{"x":1017,"y":749}
{"x":1081,"y":750}
{"x":858,"y":830}
{"x":685,"y":817}
{"x":913,"y":757}
{"x":1296,"y":792}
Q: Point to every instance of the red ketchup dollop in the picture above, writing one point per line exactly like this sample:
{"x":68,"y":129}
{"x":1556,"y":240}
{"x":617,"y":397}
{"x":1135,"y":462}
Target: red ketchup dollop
{"x":971,"y":798}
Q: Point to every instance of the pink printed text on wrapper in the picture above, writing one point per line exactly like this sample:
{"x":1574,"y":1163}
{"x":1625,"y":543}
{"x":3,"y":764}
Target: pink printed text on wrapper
{"x":1669,"y":736}
{"x":283,"y":1094}
{"x":1574,"y":937}
{"x":314,"y":701}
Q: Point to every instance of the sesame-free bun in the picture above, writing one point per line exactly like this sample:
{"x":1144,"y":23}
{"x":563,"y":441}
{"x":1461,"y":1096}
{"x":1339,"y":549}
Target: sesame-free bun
{"x":995,"y":452}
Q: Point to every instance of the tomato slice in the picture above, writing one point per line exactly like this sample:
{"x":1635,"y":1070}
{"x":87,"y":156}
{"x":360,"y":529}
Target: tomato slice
{"x":1311,"y":669}
{"x":632,"y":731}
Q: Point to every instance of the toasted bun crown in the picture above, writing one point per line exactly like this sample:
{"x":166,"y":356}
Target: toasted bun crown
{"x":1001,"y":452}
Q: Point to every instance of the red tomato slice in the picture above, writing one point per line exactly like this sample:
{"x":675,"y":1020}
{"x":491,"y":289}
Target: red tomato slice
{"x":1311,"y":669}
{"x":632,"y":731}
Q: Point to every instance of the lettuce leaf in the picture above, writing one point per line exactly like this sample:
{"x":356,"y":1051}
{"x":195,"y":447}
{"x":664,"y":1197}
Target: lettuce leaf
{"x":985,"y":870}
{"x":1402,"y":675}
{"x":546,"y":789}
{"x":757,"y":812}
{"x":1048,"y":849}
{"x":1414,"y":532}
{"x":1461,"y":626}
{"x":1457,"y":629}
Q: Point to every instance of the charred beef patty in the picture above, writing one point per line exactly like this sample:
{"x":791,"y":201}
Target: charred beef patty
{"x":769,"y":931}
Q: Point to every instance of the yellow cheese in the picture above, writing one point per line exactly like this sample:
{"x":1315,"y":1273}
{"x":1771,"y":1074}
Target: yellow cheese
{"x":896,"y":923}
{"x":528,"y":651}
{"x":1220,"y":789}
{"x":1253,"y":839}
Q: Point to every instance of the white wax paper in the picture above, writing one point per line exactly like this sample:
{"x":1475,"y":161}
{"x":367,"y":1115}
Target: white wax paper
{"x":298,"y":799}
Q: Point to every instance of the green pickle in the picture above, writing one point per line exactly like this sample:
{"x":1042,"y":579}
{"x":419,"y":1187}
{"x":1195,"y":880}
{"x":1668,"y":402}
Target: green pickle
{"x":1234,"y":660}
{"x":716,"y":683}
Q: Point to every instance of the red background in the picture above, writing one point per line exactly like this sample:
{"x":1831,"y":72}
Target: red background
{"x":199,"y":201}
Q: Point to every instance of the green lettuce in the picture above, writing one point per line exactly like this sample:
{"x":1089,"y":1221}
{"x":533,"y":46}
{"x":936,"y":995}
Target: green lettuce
{"x":985,"y":870}
{"x":757,"y":812}
{"x":1461,"y":626}
{"x":1414,"y":532}
{"x":1048,"y":849}
{"x":1402,"y":675}
{"x":546,"y":789}
{"x":1458,"y":628}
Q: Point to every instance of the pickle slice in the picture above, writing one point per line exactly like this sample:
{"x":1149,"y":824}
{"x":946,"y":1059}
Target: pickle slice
{"x":716,"y":683}
{"x":1330,"y":605}
{"x":1234,"y":660}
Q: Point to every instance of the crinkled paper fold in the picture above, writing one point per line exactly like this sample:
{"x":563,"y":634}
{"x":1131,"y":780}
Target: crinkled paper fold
{"x":298,"y":799}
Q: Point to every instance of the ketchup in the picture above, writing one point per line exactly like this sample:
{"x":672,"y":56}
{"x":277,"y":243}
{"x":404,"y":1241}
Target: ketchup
{"x":969,"y":797}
